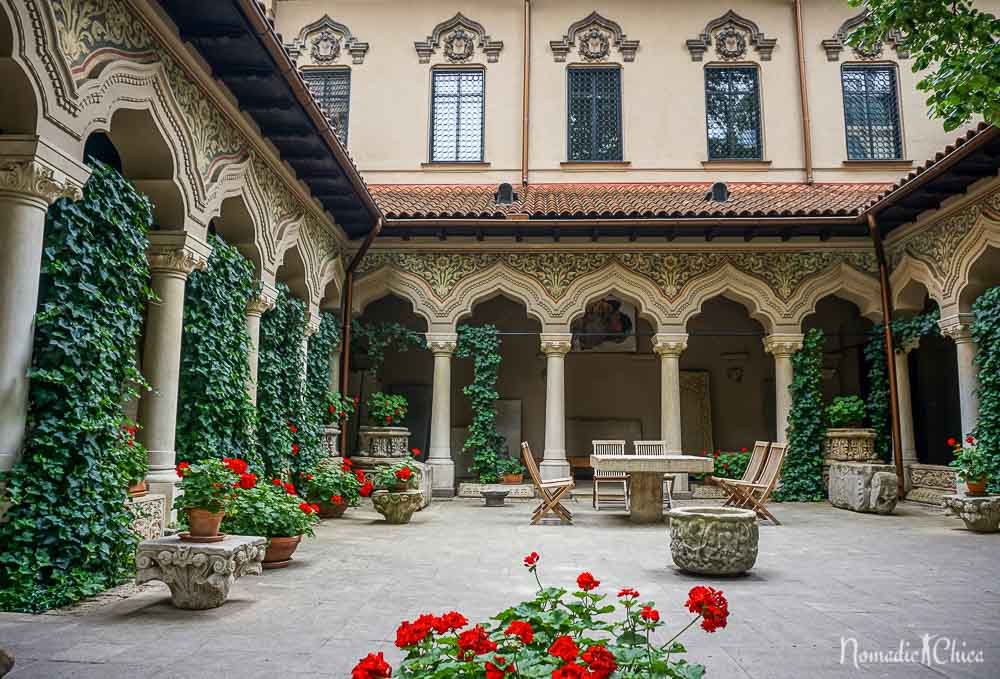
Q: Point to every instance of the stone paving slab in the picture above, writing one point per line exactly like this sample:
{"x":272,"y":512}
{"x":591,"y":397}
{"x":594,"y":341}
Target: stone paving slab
{"x":825,"y":574}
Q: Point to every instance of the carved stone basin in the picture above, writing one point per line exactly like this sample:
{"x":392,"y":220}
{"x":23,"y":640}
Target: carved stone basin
{"x":713,"y":540}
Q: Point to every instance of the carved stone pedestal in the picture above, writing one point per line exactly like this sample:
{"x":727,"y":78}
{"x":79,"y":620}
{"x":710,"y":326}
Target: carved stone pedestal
{"x":147,"y":515}
{"x":369,"y":464}
{"x":713,"y":540}
{"x":384,"y":442}
{"x":862,"y":487}
{"x":331,"y":440}
{"x":199,"y":575}
{"x":980,"y":514}
{"x":397,"y":508}
{"x":930,"y":483}
{"x":850,"y":445}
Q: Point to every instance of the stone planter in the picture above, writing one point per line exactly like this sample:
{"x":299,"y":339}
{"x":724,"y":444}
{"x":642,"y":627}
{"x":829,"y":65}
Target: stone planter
{"x":850,"y":445}
{"x":713,"y":540}
{"x":861,"y":487}
{"x":384,"y":442}
{"x":331,"y":440}
{"x":397,"y":508}
{"x":980,"y":514}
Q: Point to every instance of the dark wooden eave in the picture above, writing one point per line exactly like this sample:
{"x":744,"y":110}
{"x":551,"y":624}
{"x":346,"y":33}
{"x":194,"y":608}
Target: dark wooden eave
{"x":239,"y":44}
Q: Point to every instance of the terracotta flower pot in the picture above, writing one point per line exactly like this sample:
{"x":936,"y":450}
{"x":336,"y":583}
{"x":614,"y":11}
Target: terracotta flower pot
{"x":138,"y":489}
{"x":977,"y":488}
{"x":203,"y":523}
{"x":513,"y":479}
{"x":279,"y":551}
{"x":328,"y":510}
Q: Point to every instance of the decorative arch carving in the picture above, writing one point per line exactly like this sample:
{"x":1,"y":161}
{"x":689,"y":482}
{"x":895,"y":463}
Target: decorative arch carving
{"x":324,"y":41}
{"x":732,"y":36}
{"x":593,"y":37}
{"x":908,"y":273}
{"x":392,"y":281}
{"x":841,"y":281}
{"x":617,"y":280}
{"x":500,"y":279}
{"x":835,"y":44}
{"x":729,"y":282}
{"x":460,"y":36}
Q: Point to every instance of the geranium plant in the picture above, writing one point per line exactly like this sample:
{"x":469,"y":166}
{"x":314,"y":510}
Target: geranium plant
{"x":558,"y":634}
{"x":402,"y":473}
{"x":272,"y":510}
{"x":386,"y":410}
{"x":971,"y":463}
{"x":508,"y":466}
{"x":334,"y":483}
{"x":338,"y":407}
{"x":846,"y":411}
{"x":211,"y":484}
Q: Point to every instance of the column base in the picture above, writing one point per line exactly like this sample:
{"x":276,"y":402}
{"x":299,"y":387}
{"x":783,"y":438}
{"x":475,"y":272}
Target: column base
{"x":554,"y":469}
{"x":444,"y":476}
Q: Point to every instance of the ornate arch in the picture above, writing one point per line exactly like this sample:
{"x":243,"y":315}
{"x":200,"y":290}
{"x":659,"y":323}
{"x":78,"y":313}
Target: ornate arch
{"x":910,"y":271}
{"x":460,"y":36}
{"x":596,"y":36}
{"x":842,"y":281}
{"x":389,"y":280}
{"x":493,"y":281}
{"x":732,"y":35}
{"x":325,"y":40}
{"x":729,"y":282}
{"x":616,"y":279}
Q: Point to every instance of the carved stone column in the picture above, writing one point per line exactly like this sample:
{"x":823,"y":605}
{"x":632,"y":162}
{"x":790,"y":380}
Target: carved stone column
{"x":334,"y":385}
{"x":782,"y":347}
{"x":555,"y":347}
{"x":27,"y":188}
{"x":255,"y":309}
{"x":670,"y":347}
{"x":172,"y":256}
{"x":958,"y":328}
{"x":442,"y":345}
{"x":907,"y":440}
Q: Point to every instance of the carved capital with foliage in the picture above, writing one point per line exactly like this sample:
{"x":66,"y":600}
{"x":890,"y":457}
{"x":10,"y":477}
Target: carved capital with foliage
{"x":556,"y":344}
{"x":669,"y":344}
{"x":957,"y":327}
{"x":176,"y":253}
{"x":784,"y":345}
{"x":442,"y":343}
{"x":31,"y":178}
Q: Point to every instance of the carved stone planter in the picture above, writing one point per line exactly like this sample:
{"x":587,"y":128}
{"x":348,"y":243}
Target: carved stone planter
{"x":713,"y":540}
{"x":147,"y":515}
{"x":930,"y":483}
{"x":860,"y":487}
{"x":397,"y":508}
{"x":980,"y":514}
{"x":331,"y":440}
{"x":199,"y":575}
{"x":384,"y":442}
{"x":850,"y":445}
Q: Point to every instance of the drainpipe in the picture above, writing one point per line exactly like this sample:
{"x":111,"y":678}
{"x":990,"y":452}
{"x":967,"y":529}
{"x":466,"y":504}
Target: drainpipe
{"x":890,"y":351}
{"x":525,"y":90}
{"x":346,"y":302}
{"x":803,"y":95}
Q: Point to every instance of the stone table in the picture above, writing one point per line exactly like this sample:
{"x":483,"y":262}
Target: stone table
{"x":199,"y":575}
{"x":980,"y":514}
{"x":646,"y":478}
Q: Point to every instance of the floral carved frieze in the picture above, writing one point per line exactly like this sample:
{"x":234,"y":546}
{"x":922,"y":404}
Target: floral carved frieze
{"x":731,"y":35}
{"x":834,"y":45}
{"x":325,"y":41}
{"x":593,"y":37}
{"x":459,"y":37}
{"x":87,"y":29}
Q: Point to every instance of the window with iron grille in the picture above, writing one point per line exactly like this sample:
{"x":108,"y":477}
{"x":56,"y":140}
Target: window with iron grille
{"x":732,"y":108}
{"x":871,"y":113}
{"x":595,"y":114}
{"x":457,"y":116}
{"x":331,"y":88}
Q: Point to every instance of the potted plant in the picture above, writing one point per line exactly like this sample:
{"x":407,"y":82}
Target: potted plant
{"x":510,"y":470}
{"x":397,"y":496}
{"x":847,"y":439}
{"x":208,"y":490}
{"x":397,"y":477}
{"x":385,"y":436}
{"x":135,"y":460}
{"x":333,"y":487}
{"x":276,"y":512}
{"x":337,"y":409}
{"x":971,"y":464}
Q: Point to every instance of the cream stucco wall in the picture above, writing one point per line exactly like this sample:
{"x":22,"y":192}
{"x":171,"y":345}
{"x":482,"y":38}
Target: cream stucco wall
{"x":663,"y":89}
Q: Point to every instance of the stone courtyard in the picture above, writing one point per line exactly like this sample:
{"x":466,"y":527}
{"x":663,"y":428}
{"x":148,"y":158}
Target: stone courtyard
{"x":823,"y":576}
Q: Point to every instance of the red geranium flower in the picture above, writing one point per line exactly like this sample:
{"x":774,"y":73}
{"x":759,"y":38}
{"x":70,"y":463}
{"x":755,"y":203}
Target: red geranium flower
{"x":372,"y":667}
{"x":649,"y":613}
{"x":711,"y":605}
{"x":359,"y":475}
{"x":315,"y":508}
{"x":388,"y":419}
{"x":182,"y":469}
{"x":455,"y":620}
{"x":970,"y":440}
{"x":587,"y":582}
{"x":346,"y":464}
{"x":404,"y":474}
{"x":415,"y":451}
{"x":248,"y":481}
{"x":411,"y":633}
{"x":290,"y":489}
{"x":627,"y":593}
{"x":306,"y":507}
{"x":277,"y":482}
{"x":366,"y":489}
{"x":236,"y":465}
{"x":292,"y":428}
{"x":743,"y":449}
{"x":952,"y":442}
{"x":531,"y":559}
{"x":474,"y":642}
{"x":521,"y":630}
{"x":600,"y":661}
{"x":336,"y":500}
{"x":332,"y":409}
{"x":570,"y":671}
{"x":295,"y":449}
{"x":564,"y":648}
{"x":498,"y":671}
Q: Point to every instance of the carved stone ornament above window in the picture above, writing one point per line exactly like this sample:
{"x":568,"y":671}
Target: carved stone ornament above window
{"x":732,"y":36}
{"x":324,"y":41}
{"x":459,"y":36}
{"x":836,"y":44}
{"x":593,"y":38}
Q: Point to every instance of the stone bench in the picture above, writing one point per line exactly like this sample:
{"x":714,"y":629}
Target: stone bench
{"x":199,"y":575}
{"x":864,"y":487}
{"x":980,"y":514}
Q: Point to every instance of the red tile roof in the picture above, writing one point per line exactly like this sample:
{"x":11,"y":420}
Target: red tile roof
{"x":635,"y":200}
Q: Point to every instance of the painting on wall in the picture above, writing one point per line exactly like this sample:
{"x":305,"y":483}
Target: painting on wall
{"x":607,"y":325}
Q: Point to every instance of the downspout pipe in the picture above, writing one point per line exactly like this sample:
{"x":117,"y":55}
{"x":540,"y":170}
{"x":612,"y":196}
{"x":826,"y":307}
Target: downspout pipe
{"x":525,"y":92}
{"x":803,"y":95}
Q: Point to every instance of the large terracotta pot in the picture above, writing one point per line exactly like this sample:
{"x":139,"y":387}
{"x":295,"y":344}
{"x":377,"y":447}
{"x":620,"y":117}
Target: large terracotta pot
{"x":138,"y":489}
{"x":203,"y":523}
{"x":977,"y":488}
{"x":513,"y":479}
{"x":279,"y":551}
{"x":328,"y":510}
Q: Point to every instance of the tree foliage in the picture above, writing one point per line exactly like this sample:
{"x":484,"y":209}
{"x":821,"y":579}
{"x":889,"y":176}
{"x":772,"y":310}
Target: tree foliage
{"x":956,"y":41}
{"x":986,"y":334}
{"x":66,"y":534}
{"x":482,"y":344}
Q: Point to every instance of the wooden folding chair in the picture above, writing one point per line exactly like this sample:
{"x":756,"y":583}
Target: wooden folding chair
{"x":658,"y":449}
{"x":551,"y":491}
{"x":613,"y":479}
{"x":750,"y":474}
{"x":753,"y":494}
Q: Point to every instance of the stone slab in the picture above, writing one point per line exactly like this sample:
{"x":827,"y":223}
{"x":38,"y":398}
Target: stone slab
{"x":199,"y":575}
{"x":147,"y":515}
{"x":863,"y":487}
{"x":665,"y":464}
{"x":980,"y":514}
{"x":475,"y":490}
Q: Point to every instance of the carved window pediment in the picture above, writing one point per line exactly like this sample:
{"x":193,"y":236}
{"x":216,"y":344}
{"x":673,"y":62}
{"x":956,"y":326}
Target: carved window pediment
{"x":593,"y":38}
{"x":835,"y":45}
{"x":458,"y":38}
{"x":324,"y":42}
{"x":732,"y":36}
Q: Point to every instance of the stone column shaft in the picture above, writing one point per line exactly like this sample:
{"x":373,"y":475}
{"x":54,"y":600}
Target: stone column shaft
{"x":782,"y":347}
{"x":442,"y":345}
{"x":554,"y":464}
{"x":335,"y":370}
{"x":256,"y":308}
{"x":670,"y":348}
{"x":958,"y":328}
{"x":905,"y":402}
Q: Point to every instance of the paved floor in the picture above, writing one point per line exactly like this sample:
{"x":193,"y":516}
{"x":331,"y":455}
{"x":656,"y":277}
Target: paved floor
{"x":824,"y":576}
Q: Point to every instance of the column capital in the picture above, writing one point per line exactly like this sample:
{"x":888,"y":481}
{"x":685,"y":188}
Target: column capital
{"x":176,"y":253}
{"x":957,"y":327}
{"x":670,"y":344}
{"x":556,"y":344}
{"x":312,"y":323}
{"x":265,"y":299}
{"x":783,"y":345}
{"x":442,"y":343}
{"x":32,"y":179}
{"x":903,"y":348}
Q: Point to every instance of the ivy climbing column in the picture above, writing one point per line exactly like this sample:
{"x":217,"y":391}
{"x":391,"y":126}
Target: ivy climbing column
{"x":782,"y":347}
{"x":255,"y":309}
{"x":442,"y":345}
{"x":959,"y":329}
{"x":27,"y":188}
{"x":172,"y":256}
{"x":555,"y":346}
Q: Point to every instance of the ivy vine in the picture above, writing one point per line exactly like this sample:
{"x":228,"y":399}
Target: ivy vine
{"x":309,"y":421}
{"x":802,"y":472}
{"x":218,"y":417}
{"x":904,"y":331}
{"x":374,"y":339}
{"x":482,"y":344}
{"x":66,"y":533}
{"x":986,"y":334}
